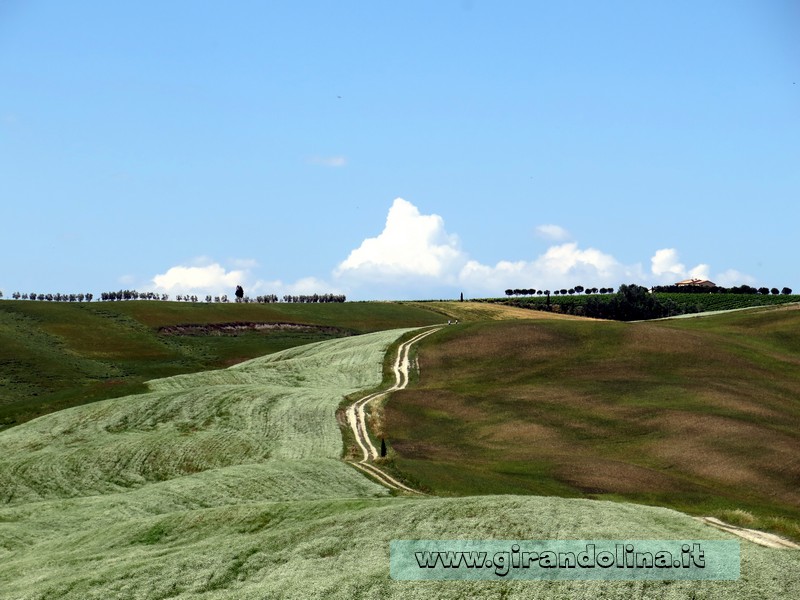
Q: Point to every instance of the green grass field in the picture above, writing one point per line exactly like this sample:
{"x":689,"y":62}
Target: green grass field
{"x":56,"y":355}
{"x":701,"y":415}
{"x":228,"y":484}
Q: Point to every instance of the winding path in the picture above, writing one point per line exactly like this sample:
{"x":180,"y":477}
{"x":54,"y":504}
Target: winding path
{"x":356,"y":417}
{"x":762,"y":538}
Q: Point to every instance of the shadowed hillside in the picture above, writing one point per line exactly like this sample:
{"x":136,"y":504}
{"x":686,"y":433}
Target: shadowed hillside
{"x":700,"y":414}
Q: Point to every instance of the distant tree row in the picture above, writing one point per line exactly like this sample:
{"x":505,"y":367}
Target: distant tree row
{"x":268,"y":299}
{"x":325,"y":298}
{"x":272,"y":298}
{"x":132,"y":295}
{"x":631,"y":302}
{"x":578,"y":289}
{"x":52,"y":297}
{"x":696,"y":289}
{"x":239,"y":297}
{"x":739,"y":289}
{"x":126,"y":295}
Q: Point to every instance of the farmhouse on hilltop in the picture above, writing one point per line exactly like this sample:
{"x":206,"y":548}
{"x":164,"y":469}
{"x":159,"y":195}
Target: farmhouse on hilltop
{"x":696,"y":282}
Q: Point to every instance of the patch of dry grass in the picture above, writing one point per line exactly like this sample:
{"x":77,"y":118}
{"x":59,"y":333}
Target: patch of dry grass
{"x":485,"y":311}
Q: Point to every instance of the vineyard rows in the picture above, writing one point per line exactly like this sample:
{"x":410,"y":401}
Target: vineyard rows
{"x":692,"y":301}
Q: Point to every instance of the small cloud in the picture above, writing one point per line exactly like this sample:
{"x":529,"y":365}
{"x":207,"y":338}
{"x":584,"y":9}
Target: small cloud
{"x":568,"y":257}
{"x":552,"y":232}
{"x":329,"y":161}
{"x":732,"y":277}
{"x":701,"y":271}
{"x":305,"y":285}
{"x":666,"y":266}
{"x":127,"y":279}
{"x":504,"y":274}
{"x":208,"y":279}
{"x":665,"y":262}
{"x":243,"y":263}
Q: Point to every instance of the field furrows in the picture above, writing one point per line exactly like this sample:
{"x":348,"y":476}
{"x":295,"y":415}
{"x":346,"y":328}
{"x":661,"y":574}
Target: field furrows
{"x":278,"y":408}
{"x":338,"y":549}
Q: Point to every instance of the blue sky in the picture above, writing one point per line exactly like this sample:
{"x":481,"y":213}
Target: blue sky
{"x":397,"y":149}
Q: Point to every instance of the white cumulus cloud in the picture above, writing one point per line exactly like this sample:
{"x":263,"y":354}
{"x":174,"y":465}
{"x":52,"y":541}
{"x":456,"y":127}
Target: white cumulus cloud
{"x":561,"y":266}
{"x":208,"y":279}
{"x":414,"y":257}
{"x":665,"y":262}
{"x":416,"y":250}
{"x":701,"y":271}
{"x":568,"y":258}
{"x":304,"y":285}
{"x":411,"y":245}
{"x":201,"y":276}
{"x":667,"y":268}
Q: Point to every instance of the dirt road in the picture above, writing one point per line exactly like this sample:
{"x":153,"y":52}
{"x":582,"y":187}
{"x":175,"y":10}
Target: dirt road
{"x":356,"y":417}
{"x":762,"y":538}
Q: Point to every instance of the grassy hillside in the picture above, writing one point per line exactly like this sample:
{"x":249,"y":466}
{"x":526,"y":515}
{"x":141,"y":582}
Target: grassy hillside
{"x":56,"y":355}
{"x":699,"y":414}
{"x":227,"y":485}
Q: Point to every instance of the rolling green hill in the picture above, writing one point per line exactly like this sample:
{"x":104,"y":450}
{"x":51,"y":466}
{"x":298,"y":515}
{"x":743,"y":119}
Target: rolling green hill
{"x":701,"y":414}
{"x":228,"y":485}
{"x":56,"y":355}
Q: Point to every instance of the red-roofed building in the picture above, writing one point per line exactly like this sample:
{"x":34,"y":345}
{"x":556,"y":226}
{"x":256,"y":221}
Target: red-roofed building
{"x":697,"y":283}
